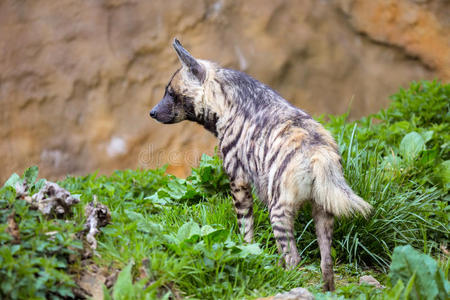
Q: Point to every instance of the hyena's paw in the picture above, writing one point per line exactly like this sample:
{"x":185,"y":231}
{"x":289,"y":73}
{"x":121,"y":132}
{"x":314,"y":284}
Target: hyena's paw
{"x":291,"y":260}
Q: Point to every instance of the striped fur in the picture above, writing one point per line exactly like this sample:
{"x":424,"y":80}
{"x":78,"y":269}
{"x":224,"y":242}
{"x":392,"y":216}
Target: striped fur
{"x":268,"y":143}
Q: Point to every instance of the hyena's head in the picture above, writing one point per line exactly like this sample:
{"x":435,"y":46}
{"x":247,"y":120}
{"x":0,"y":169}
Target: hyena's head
{"x":185,"y":94}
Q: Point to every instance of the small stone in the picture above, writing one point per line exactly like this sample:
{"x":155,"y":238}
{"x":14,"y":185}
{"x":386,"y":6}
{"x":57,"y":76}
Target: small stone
{"x":92,"y":284}
{"x":295,"y":294}
{"x":368,"y":279}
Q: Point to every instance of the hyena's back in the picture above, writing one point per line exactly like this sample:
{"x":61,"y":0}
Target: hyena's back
{"x":289,"y":157}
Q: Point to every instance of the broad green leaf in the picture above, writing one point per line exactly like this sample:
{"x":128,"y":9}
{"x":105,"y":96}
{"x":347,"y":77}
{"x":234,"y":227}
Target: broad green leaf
{"x":161,"y":200}
{"x":427,"y":135}
{"x":41,"y":182}
{"x":30,"y":174}
{"x":230,"y":244}
{"x":66,"y":292}
{"x":216,"y":236}
{"x":123,"y":289}
{"x":252,"y":249}
{"x":6,"y":286}
{"x":429,"y":283}
{"x":207,"y":229}
{"x":7,"y":194}
{"x":400,"y":126}
{"x":171,"y":239}
{"x":411,"y":145}
{"x":176,"y":189}
{"x":134,"y":216}
{"x":12,"y":180}
{"x":188,"y":230}
{"x":149,"y":227}
{"x":14,"y":249}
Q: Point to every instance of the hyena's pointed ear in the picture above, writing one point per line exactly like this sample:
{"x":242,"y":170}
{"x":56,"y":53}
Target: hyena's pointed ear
{"x":189,"y":61}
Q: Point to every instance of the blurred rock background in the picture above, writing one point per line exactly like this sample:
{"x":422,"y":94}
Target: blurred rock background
{"x":78,"y":78}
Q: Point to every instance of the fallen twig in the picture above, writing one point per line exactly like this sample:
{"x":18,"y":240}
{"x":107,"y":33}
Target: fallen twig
{"x":53,"y":199}
{"x":98,"y":215}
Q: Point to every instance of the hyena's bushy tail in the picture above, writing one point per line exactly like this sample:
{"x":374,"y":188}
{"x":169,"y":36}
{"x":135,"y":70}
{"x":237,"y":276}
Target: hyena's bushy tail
{"x":330,"y":190}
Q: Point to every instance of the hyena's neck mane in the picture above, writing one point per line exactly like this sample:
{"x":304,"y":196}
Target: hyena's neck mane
{"x":245,"y":98}
{"x":246,"y":93}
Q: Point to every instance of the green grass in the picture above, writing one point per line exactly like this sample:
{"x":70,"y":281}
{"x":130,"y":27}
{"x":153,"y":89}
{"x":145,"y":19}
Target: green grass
{"x":207,"y":260}
{"x":177,"y":237}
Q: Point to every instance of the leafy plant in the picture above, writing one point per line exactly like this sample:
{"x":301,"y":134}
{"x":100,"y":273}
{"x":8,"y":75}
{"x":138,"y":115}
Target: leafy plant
{"x":33,"y":259}
{"x":397,"y":160}
{"x":420,"y":273}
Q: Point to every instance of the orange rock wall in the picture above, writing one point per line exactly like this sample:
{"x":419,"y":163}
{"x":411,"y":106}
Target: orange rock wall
{"x":78,"y":78}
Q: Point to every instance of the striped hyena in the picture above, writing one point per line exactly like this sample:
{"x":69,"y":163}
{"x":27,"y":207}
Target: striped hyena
{"x":266,"y":142}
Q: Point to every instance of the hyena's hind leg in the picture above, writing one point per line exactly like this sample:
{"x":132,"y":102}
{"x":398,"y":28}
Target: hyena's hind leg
{"x":324,"y":230}
{"x":243,"y":205}
{"x":282,"y":218}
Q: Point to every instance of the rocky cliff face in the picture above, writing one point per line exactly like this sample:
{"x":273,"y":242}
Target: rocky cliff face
{"x":78,"y":78}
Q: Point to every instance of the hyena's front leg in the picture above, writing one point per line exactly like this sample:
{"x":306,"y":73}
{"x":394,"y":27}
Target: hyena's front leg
{"x":243,"y":205}
{"x":324,"y":230}
{"x":282,"y":218}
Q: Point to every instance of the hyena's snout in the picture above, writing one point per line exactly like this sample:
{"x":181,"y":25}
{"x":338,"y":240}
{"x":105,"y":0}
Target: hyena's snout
{"x":165,"y":112}
{"x":153,"y":113}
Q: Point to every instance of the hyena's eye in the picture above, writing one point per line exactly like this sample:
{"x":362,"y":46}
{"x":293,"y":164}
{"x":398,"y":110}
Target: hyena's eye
{"x":171,"y":93}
